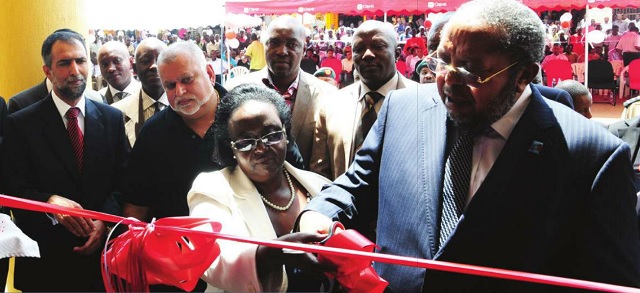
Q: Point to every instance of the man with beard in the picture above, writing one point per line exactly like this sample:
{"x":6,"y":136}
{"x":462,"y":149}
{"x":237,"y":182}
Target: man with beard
{"x":151,"y":98}
{"x":302,"y":91}
{"x":345,"y":119}
{"x":480,"y":169}
{"x":175,"y":145}
{"x":115,"y":67}
{"x":70,"y":151}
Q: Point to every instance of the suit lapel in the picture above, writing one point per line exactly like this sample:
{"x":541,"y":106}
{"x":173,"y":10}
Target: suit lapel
{"x":250,"y":205}
{"x":303,"y":100}
{"x":108,"y":96}
{"x":93,"y":134}
{"x":350,"y":118}
{"x":432,"y":143}
{"x":57,"y":135}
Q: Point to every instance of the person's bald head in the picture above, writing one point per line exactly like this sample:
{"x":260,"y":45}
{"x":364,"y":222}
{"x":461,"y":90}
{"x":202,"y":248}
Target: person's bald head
{"x":145,"y":64}
{"x":285,"y":39}
{"x":374,"y":44}
{"x":115,"y":64}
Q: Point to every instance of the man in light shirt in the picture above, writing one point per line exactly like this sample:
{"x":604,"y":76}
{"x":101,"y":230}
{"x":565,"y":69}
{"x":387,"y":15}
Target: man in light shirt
{"x":115,"y":66}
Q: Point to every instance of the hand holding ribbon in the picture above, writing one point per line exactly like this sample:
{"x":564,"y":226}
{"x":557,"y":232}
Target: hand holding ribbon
{"x":353,"y":274}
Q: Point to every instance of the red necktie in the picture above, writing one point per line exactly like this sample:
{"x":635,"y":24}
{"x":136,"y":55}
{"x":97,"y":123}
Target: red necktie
{"x":75,"y":135}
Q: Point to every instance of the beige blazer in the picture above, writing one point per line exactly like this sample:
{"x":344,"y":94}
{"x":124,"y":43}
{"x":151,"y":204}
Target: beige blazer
{"x":337,"y":123}
{"x":230,"y":197}
{"x":129,"y":107}
{"x":311,"y":93}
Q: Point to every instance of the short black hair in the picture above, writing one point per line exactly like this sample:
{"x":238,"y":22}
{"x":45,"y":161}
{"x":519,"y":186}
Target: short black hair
{"x":65,"y":35}
{"x":223,"y":154}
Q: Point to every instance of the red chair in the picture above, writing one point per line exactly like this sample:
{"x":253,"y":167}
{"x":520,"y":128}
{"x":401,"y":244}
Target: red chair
{"x":558,"y":70}
{"x":634,"y":75}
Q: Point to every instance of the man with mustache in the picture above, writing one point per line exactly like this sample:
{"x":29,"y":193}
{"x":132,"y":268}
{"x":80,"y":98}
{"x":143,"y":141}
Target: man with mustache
{"x":175,"y":145}
{"x":302,"y":91}
{"x":479,"y":168}
{"x":115,"y":66}
{"x":151,"y":98}
{"x":345,"y":119}
{"x":70,"y":151}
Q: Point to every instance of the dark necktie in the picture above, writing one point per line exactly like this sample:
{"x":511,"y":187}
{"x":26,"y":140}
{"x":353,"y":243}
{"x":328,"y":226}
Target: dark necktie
{"x":455,"y":189}
{"x":369,"y":116}
{"x":119,"y":96}
{"x":77,"y":139}
{"x":156,"y":107}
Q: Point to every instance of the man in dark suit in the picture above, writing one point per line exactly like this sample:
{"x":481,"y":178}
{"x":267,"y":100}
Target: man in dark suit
{"x":28,"y":96}
{"x":480,"y":169}
{"x":65,"y":150}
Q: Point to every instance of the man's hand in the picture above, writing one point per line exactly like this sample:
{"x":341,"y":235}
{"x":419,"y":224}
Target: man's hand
{"x":95,"y":240}
{"x":314,"y":222}
{"x":80,"y":227}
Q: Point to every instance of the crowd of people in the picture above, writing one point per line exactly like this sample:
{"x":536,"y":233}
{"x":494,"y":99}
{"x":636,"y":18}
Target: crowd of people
{"x":472,"y":161}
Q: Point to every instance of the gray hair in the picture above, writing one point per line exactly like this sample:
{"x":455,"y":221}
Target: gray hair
{"x":574,"y":88}
{"x":516,"y":27}
{"x":188,"y":49}
{"x":384,"y":27}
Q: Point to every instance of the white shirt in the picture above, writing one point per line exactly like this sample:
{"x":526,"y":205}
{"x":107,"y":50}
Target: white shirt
{"x":131,"y":89}
{"x":64,"y":107}
{"x":488,"y":147}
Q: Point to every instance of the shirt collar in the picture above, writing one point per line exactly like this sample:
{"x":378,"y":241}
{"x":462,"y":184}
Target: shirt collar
{"x":390,"y":85}
{"x":293,"y":87}
{"x":504,"y":126}
{"x":133,"y":86}
{"x":64,"y":107}
{"x":147,"y":100}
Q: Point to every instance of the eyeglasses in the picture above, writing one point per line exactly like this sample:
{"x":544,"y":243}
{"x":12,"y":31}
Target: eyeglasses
{"x":440,"y":67}
{"x":247,"y":144}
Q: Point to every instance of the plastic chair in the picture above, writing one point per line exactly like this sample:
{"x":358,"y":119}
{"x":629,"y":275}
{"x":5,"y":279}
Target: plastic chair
{"x":634,"y":76}
{"x":237,"y":71}
{"x":558,"y":70}
{"x":601,"y":77}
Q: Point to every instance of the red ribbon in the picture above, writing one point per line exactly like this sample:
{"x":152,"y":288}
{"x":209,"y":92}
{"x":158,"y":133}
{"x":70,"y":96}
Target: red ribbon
{"x":14,"y":202}
{"x":353,"y":274}
{"x":144,"y":255}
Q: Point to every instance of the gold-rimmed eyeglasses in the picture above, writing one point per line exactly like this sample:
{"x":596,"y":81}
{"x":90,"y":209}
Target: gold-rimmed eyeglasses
{"x":438,"y":66}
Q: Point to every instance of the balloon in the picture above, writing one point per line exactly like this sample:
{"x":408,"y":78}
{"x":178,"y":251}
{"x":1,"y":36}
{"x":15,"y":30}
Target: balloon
{"x":230,"y":34}
{"x":566,"y":17}
{"x":233,"y":43}
{"x":427,"y":23}
{"x":565,"y":24}
{"x":596,"y":36}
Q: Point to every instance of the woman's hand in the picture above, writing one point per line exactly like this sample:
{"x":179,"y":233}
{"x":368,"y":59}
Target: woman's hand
{"x":269,"y":259}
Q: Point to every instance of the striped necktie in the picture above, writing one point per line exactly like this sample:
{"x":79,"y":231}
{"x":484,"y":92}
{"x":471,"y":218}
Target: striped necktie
{"x":77,"y":139}
{"x":455,"y":188}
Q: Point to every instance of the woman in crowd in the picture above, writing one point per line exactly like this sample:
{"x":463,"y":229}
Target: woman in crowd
{"x":257,"y":195}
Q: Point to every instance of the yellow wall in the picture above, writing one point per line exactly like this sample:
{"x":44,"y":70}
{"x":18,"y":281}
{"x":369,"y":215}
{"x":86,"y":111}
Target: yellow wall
{"x":23,"y":27}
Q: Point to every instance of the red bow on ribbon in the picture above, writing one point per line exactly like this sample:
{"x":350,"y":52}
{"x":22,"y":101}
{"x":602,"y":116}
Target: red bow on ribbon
{"x":353,"y":274}
{"x":153,"y":254}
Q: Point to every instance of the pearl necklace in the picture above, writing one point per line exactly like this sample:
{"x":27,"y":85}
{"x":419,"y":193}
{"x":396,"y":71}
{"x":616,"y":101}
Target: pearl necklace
{"x":293,"y":196}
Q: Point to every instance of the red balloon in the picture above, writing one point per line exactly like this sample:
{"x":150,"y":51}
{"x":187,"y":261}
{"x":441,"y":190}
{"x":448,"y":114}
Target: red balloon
{"x":427,"y":23}
{"x":565,"y":24}
{"x":230,"y":34}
